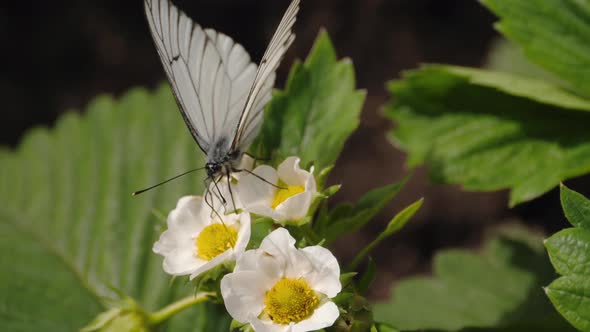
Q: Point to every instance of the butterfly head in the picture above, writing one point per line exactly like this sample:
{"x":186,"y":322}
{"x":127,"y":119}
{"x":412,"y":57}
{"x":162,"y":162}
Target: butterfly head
{"x":213,"y":169}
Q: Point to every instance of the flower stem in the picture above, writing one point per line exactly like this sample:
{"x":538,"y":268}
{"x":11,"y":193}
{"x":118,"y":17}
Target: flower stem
{"x":170,"y":310}
{"x":310,"y":233}
{"x":364,"y":252}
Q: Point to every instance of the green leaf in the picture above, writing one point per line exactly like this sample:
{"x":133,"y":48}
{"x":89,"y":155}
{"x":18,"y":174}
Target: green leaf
{"x":569,"y":251}
{"x":401,"y":219}
{"x":70,"y":231}
{"x":553,"y":34}
{"x":396,"y":224}
{"x":316,"y":113}
{"x":346,"y":218}
{"x":490,"y":131}
{"x":506,"y":56}
{"x":501,"y":288}
{"x":571,"y":297}
{"x":576,"y":208}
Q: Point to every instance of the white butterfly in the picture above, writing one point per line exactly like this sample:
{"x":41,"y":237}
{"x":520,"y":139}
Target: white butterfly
{"x":220,"y":92}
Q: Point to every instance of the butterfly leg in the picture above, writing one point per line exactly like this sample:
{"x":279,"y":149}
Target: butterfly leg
{"x":231,"y":193}
{"x":213,"y":193}
{"x":219,"y":190}
{"x":209,"y":193}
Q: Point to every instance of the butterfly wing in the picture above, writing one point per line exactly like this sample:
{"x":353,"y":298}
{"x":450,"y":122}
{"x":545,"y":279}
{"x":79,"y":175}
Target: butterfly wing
{"x":261,"y":91}
{"x":211,"y":75}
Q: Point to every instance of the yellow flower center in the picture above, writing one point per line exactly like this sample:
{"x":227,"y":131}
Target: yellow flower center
{"x":285,"y":192}
{"x":290,"y":300}
{"x":214,"y":240}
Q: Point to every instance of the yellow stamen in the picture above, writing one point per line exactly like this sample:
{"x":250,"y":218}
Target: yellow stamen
{"x":285,"y":192}
{"x":290,"y":300}
{"x":214,"y":240}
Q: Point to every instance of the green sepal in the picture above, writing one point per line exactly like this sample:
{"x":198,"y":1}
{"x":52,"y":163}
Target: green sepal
{"x":346,"y":279}
{"x":356,"y":315}
{"x":323,"y":175}
{"x":261,"y":227}
{"x":241,"y":327}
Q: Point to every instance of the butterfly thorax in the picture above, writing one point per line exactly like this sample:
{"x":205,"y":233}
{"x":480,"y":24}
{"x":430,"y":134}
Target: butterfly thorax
{"x":221,"y":159}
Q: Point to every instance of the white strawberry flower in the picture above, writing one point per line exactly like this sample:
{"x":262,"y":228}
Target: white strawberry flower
{"x":283,"y":194}
{"x":281,"y":288}
{"x":197,"y":239}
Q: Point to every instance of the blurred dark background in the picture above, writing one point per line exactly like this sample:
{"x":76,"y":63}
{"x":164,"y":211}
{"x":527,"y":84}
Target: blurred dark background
{"x":58,"y":54}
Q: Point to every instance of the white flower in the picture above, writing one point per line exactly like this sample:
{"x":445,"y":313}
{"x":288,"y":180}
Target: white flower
{"x":281,"y":288}
{"x":246,"y":164}
{"x":284,"y":194}
{"x":197,"y":240}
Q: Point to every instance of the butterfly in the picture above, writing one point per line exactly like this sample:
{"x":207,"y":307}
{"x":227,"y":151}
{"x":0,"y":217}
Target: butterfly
{"x":220,"y":92}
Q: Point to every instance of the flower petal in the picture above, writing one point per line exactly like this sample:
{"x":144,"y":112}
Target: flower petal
{"x":243,"y":294}
{"x":187,"y":217}
{"x":268,"y":326}
{"x":290,"y":172}
{"x":324,"y":316}
{"x":280,"y":245}
{"x":243,"y":234}
{"x":325,"y":275}
{"x":264,"y":209}
{"x":247,"y":163}
{"x":191,"y":204}
{"x":258,"y":260}
{"x":184,"y":223}
{"x":208,"y":265}
{"x":248,"y":261}
{"x":310,"y":184}
{"x":296,"y":206}
{"x":181,"y":261}
{"x":252,"y":190}
{"x":277,"y":242}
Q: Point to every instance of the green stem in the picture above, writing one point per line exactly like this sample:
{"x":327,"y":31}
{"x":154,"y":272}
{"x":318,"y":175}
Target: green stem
{"x":176,"y":307}
{"x":364,"y":252}
{"x":310,"y":233}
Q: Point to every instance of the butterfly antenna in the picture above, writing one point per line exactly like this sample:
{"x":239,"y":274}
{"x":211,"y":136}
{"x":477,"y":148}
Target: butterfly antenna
{"x":259,"y":177}
{"x":164,"y":182}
